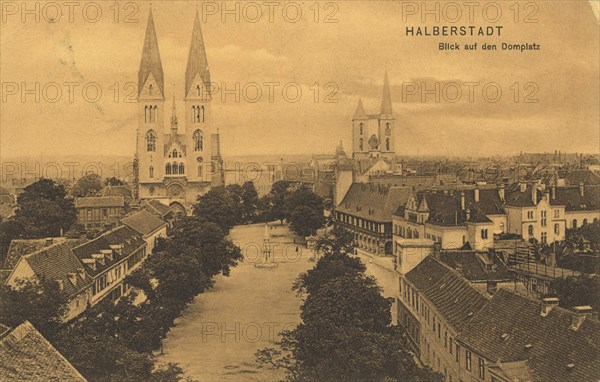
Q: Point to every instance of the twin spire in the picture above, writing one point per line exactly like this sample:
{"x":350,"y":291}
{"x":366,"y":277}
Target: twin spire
{"x":151,"y":63}
{"x":386,"y":103}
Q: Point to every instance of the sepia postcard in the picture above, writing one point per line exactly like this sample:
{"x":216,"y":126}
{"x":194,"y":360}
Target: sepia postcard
{"x":300,"y":191}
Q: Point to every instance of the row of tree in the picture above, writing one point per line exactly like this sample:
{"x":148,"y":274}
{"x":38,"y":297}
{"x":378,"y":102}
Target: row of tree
{"x":346,"y":332}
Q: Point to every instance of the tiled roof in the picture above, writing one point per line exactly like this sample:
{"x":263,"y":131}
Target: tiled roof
{"x":157,"y":207}
{"x":124,"y":235}
{"x":143,"y":222}
{"x":22,"y":247}
{"x":451,"y":294}
{"x":472,"y":265}
{"x":123,"y":191}
{"x":55,"y":263}
{"x":100,"y":201}
{"x":571,"y":198}
{"x":373,"y":202}
{"x":25,"y":355}
{"x":574,"y":177}
{"x":502,"y":329}
{"x":516,"y":198}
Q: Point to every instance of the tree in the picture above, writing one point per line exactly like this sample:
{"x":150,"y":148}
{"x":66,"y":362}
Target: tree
{"x":329,"y":267}
{"x":249,"y":202}
{"x":112,"y":181}
{"x":337,"y":240}
{"x":305,"y":220}
{"x":39,"y":301}
{"x":302,"y":197}
{"x":87,"y":185}
{"x":578,"y":291}
{"x":235,"y":193}
{"x":216,"y":206}
{"x":9,"y":229}
{"x":279,"y":191}
{"x":44,"y":210}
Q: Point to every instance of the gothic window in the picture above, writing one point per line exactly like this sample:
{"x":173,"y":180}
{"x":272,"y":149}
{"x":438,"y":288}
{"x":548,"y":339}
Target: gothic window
{"x":361,"y":128}
{"x":146,"y":114}
{"x":168,"y":169}
{"x":194,"y":113}
{"x":556,"y":229}
{"x":198,"y":140}
{"x":198,"y":90}
{"x":387,"y":144}
{"x":181,"y":168}
{"x":174,"y":154}
{"x":175,"y":168}
{"x":200,"y":171}
{"x":574,"y":223}
{"x":151,"y":171}
{"x":150,"y":140}
{"x":360,"y":144}
{"x":150,"y":89}
{"x":388,"y":130}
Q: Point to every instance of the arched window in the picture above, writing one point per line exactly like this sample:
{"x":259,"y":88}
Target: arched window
{"x":181,"y":168}
{"x":198,"y":114}
{"x":198,"y":140}
{"x":198,"y":90}
{"x":574,"y":223}
{"x":151,"y":140}
{"x":151,"y":172}
{"x":387,"y":144}
{"x":501,"y":226}
{"x":361,"y":144}
{"x":174,"y":153}
{"x":175,"y":168}
{"x":168,"y":169}
{"x":150,"y":89}
{"x":584,"y":222}
{"x":556,"y":228}
{"x":416,"y":234}
{"x":530,"y":230}
{"x":361,"y":126}
{"x":199,"y":171}
{"x":146,"y":114}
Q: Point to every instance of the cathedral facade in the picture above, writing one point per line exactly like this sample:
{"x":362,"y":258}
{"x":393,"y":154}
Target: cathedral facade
{"x":175,"y":162}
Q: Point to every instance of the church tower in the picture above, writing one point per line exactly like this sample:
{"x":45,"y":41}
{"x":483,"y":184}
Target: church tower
{"x":373,"y":134}
{"x":151,"y":102}
{"x":202,"y":139}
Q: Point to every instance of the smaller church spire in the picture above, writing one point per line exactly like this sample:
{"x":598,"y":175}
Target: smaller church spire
{"x":360,"y":111}
{"x":386,"y":101}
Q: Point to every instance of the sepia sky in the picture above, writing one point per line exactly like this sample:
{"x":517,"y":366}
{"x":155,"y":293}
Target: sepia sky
{"x":351,"y":53}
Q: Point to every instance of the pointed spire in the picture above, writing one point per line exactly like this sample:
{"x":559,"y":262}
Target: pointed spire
{"x":360,"y":111}
{"x":386,"y":101}
{"x":151,"y":63}
{"x":197,"y":61}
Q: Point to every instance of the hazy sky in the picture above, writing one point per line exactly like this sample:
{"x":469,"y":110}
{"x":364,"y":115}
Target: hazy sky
{"x":351,"y":53}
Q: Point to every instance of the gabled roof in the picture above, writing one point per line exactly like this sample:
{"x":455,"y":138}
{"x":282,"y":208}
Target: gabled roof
{"x":157,"y":208}
{"x":450,"y":293}
{"x":574,"y":177}
{"x":100,"y":202}
{"x":21,"y":247}
{"x":55,"y":263}
{"x":123,"y":191}
{"x":25,"y":355}
{"x":445,"y":207}
{"x":122,"y":235}
{"x":571,"y":198}
{"x":510,"y":321}
{"x":472,"y":265}
{"x":373,"y":202}
{"x":151,"y":63}
{"x":143,"y":222}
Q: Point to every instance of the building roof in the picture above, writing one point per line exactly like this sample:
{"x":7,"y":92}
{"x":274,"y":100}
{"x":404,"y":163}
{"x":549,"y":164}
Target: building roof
{"x":157,"y":208}
{"x":22,"y":247}
{"x":122,"y":235}
{"x":511,"y":328}
{"x":572,"y":199}
{"x":25,"y":355}
{"x":452,"y":295}
{"x":197,"y":62}
{"x":574,"y":177}
{"x":151,"y":63}
{"x":100,"y":201}
{"x":373,"y":202}
{"x":123,"y":191}
{"x":143,"y":222}
{"x":477,"y":266}
{"x":55,"y":263}
{"x":386,"y":100}
{"x":517,"y":198}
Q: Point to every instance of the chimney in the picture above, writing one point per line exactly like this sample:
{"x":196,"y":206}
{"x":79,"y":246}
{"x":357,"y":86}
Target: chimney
{"x":462,"y":200}
{"x":534,"y":194}
{"x":553,"y":191}
{"x":72,"y":278}
{"x":581,"y":189}
{"x":547,"y":195}
{"x":90,"y":263}
{"x":49,"y":241}
{"x":522,"y":185}
{"x":501,"y":193}
{"x":548,"y":304}
{"x":581,"y":313}
{"x":476,"y":194}
{"x":81,"y":272}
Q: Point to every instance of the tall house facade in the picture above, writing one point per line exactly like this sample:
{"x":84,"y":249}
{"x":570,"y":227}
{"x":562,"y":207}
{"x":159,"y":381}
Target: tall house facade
{"x":176,"y":162}
{"x":373,"y":134}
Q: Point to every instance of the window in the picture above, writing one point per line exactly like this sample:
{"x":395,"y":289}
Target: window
{"x":387,"y":144}
{"x":468,"y":359}
{"x":574,"y":223}
{"x":174,"y":153}
{"x":451,"y":345}
{"x":530,"y":230}
{"x":361,"y":132}
{"x":360,"y":144}
{"x":544,"y":238}
{"x":556,"y":229}
{"x":198,"y":90}
{"x":198,"y":140}
{"x":151,"y":172}
{"x":150,"y":141}
{"x":484,"y":233}
{"x":445,"y":338}
{"x":530,"y":215}
{"x":585,"y":222}
{"x":200,"y":171}
{"x":197,"y":114}
{"x":457,"y":352}
{"x":181,"y":168}
{"x":175,"y":168}
{"x":168,"y":169}
{"x":439,"y":328}
{"x":543,"y":218}
{"x":501,"y":226}
{"x":556,"y":214}
{"x":481,"y":368}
